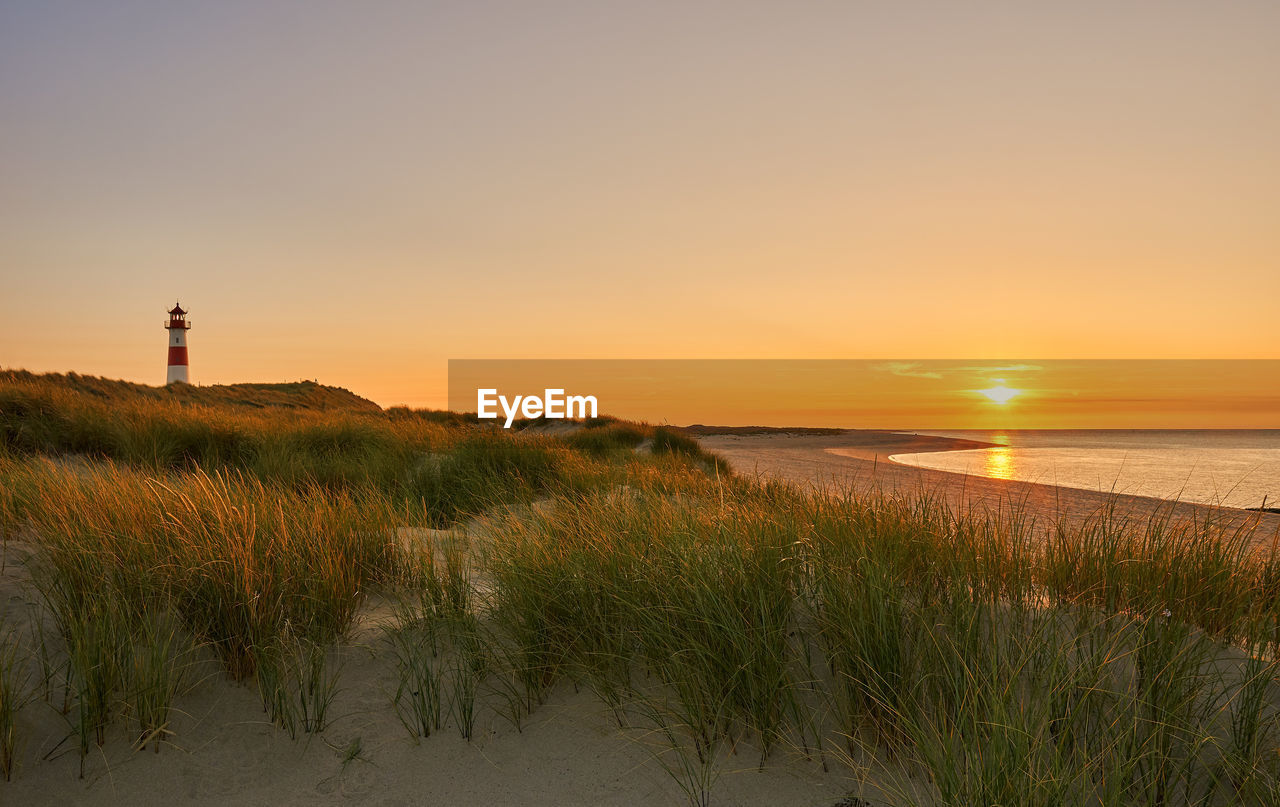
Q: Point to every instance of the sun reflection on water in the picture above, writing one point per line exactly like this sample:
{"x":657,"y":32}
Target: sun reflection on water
{"x":998,"y":462}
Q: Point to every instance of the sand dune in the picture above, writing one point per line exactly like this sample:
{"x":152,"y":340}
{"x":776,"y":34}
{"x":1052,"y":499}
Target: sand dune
{"x":223,"y":749}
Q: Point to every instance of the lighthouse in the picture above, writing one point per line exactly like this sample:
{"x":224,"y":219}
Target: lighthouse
{"x":177,"y":326}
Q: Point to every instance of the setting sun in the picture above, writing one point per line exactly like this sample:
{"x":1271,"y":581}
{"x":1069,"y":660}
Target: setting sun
{"x":1000,"y":393}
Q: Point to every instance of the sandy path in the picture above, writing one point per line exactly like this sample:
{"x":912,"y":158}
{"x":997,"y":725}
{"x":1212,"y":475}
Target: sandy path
{"x":860,"y":459}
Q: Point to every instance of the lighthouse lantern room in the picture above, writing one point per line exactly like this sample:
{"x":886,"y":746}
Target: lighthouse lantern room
{"x":177,"y":326}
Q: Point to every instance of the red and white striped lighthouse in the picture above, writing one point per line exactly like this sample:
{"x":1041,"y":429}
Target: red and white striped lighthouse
{"x":177,"y":326}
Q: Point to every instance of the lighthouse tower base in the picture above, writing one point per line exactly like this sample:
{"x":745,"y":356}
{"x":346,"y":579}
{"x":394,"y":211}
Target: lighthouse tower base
{"x":177,"y":374}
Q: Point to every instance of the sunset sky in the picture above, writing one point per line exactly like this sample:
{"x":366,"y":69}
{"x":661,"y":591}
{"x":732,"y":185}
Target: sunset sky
{"x":358,"y":192}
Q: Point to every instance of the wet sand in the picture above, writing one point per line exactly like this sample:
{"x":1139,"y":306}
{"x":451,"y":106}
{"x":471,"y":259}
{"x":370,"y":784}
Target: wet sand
{"x":859,"y":460}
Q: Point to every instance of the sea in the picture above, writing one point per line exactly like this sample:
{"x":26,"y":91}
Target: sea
{"x":1232,"y":468}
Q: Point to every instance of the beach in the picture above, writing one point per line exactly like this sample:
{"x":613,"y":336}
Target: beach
{"x":860,"y":460}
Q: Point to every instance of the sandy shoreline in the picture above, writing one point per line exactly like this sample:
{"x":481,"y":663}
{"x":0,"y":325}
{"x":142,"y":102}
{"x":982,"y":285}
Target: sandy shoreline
{"x":860,"y":460}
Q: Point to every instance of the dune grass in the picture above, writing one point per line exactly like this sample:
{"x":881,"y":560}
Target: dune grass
{"x":966,"y":658}
{"x":13,"y":694}
{"x":136,"y":571}
{"x":607,"y":439}
{"x":234,"y":558}
{"x":254,"y":534}
{"x":442,"y":466}
{"x":996,"y":668}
